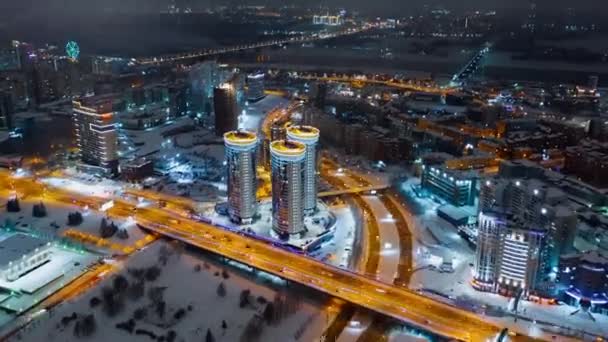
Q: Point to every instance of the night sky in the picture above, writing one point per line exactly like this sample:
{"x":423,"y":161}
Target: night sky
{"x":377,"y":6}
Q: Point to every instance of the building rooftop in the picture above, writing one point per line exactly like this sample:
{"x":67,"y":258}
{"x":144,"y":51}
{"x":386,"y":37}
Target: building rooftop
{"x":286,"y":147}
{"x":240,"y":137}
{"x":18,"y":245}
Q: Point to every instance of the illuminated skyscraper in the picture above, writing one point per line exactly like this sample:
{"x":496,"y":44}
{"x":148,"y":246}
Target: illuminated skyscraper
{"x":309,"y":136}
{"x":96,"y":132}
{"x":509,"y":254}
{"x":226,"y":108}
{"x":255,"y":84}
{"x":287,"y":187}
{"x":241,"y":180}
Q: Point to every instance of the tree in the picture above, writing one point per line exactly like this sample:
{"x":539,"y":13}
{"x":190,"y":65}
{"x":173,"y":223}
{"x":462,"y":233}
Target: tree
{"x":269,"y":314}
{"x":12,"y":206}
{"x":244,"y":298}
{"x":120,"y":283}
{"x":161,"y":308}
{"x":221,"y":290}
{"x":85,"y":327}
{"x":152,"y":273}
{"x":107,"y":230}
{"x":113,"y":302}
{"x":156,"y":294}
{"x":136,"y":290}
{"x":139,"y":314}
{"x":94,"y":302}
{"x":123,"y":234}
{"x":209,"y":337}
{"x":39,"y":210}
{"x":163,"y":255}
{"x":74,"y":219}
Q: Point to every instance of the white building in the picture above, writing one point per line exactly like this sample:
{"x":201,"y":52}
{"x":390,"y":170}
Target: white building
{"x":20,"y":254}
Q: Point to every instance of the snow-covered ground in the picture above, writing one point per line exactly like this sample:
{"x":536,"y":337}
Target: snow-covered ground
{"x":197,"y":293}
{"x":55,"y":223}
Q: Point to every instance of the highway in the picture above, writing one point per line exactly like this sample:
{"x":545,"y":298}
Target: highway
{"x":397,"y":302}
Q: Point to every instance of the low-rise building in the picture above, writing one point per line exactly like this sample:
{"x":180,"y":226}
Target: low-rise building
{"x":20,"y":254}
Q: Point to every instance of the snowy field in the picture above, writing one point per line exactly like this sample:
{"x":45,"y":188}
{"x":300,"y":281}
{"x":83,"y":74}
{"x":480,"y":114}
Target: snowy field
{"x":193,"y":305}
{"x":55,"y":223}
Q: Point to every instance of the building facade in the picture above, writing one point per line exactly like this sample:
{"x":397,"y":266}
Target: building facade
{"x":241,"y":178}
{"x":455,"y":187}
{"x":287,"y":170}
{"x":583,"y":279}
{"x":309,"y":136}
{"x":96,"y":136}
{"x":509,"y":254}
{"x":22,"y":253}
{"x":225,"y":108}
{"x":255,"y":87}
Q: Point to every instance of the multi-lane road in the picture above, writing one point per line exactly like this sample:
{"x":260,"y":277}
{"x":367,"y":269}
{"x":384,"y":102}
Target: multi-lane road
{"x":394,"y":301}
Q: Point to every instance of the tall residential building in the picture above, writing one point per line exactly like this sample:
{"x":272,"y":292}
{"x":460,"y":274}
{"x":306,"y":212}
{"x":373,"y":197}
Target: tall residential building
{"x":225,"y":108}
{"x":309,"y":136}
{"x":9,"y":58}
{"x":509,"y":254}
{"x":7,"y":110}
{"x":287,"y":187}
{"x":318,"y":93}
{"x":255,"y":87}
{"x":241,"y":179}
{"x":538,"y":204}
{"x":204,"y":78}
{"x":96,"y":135}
